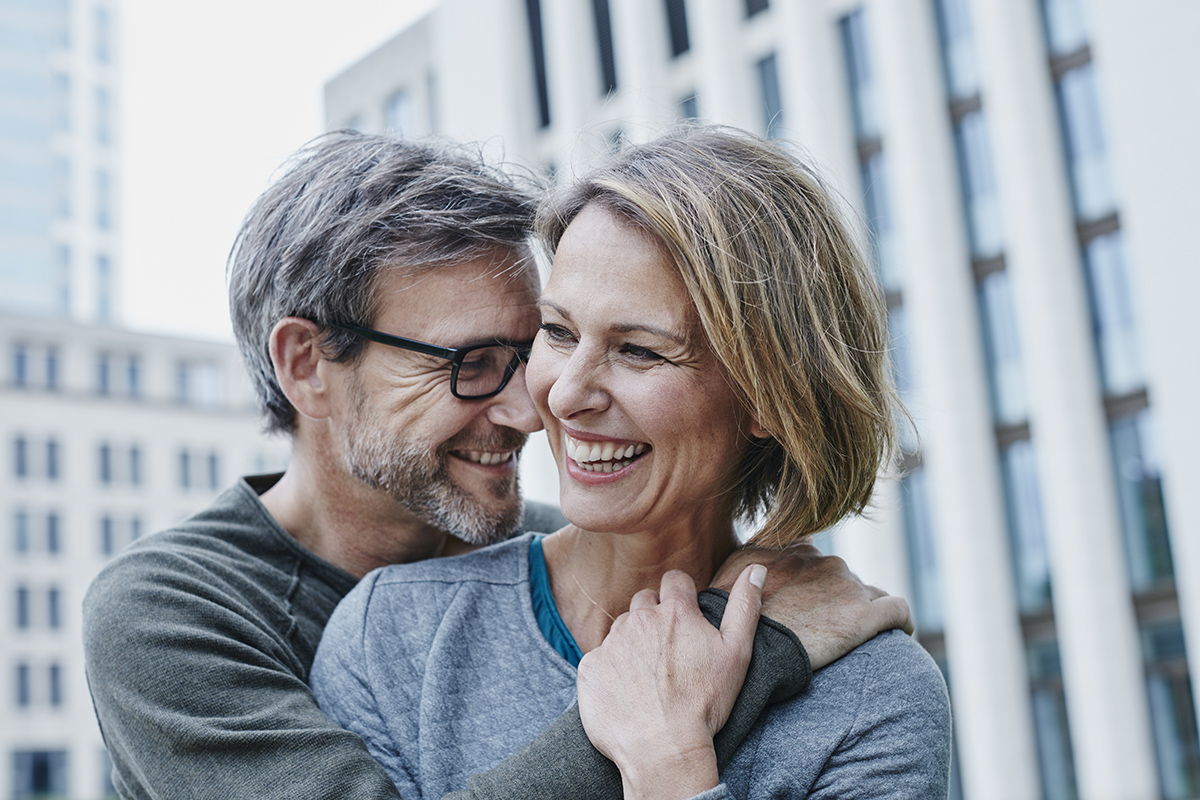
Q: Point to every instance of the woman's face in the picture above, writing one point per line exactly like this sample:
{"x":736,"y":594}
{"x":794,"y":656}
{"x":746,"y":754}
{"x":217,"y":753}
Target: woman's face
{"x":644,"y":427}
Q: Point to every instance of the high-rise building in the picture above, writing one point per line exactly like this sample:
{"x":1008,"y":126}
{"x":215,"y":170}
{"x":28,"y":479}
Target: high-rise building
{"x":1025,"y":171}
{"x":107,"y":434}
{"x":59,"y":165}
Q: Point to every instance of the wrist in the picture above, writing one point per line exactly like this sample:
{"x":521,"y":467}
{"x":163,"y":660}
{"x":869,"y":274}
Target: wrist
{"x":674,"y":771}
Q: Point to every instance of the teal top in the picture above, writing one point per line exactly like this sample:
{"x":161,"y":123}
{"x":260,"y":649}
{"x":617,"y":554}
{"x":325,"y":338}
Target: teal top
{"x":551,"y":624}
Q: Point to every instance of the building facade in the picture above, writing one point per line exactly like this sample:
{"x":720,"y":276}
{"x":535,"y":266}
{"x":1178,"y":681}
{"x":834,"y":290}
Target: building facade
{"x":107,"y":436}
{"x":1024,"y":171}
{"x":59,"y":158}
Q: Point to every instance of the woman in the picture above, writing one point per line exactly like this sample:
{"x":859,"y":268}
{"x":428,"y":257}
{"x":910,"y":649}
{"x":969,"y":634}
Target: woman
{"x":712,"y":349}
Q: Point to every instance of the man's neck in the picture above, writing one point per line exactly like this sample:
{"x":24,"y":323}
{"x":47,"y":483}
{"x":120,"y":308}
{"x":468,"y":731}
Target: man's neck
{"x":350,"y":525}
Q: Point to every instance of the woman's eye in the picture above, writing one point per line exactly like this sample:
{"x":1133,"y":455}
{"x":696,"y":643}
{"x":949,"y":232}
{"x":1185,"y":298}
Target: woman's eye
{"x":555,"y":333}
{"x":641,"y":353}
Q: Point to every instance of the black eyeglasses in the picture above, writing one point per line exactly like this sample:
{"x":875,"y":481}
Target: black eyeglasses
{"x":477,"y":372}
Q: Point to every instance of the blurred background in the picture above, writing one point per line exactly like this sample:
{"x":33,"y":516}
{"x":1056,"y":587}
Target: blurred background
{"x":1025,"y":171}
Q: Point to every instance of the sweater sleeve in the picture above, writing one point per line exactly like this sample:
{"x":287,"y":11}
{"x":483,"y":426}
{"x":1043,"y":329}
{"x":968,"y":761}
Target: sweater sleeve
{"x":196,"y":700}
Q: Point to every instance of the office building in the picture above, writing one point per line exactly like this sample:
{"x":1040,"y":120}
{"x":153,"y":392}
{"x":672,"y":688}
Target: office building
{"x":1025,"y":170}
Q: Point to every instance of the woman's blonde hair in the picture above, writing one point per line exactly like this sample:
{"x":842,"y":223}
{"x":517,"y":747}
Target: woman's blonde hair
{"x":787,"y":301}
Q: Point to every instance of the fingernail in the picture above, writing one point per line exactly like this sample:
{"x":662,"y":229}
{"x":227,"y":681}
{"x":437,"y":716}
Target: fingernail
{"x":758,"y":575}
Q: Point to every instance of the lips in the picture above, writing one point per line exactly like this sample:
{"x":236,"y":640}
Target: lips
{"x":608,"y":456}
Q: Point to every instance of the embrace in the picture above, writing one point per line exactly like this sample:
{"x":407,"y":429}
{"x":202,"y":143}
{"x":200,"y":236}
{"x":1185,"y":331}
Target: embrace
{"x":710,"y":350}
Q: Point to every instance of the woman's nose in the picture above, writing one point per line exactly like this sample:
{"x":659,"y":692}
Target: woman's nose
{"x":580,"y":387}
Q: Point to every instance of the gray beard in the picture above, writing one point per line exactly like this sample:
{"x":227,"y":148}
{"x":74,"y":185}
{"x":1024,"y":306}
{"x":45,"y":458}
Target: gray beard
{"x":418,"y":480}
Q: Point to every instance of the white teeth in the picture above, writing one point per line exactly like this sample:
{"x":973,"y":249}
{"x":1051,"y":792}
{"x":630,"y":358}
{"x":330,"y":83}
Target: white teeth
{"x":597,"y":449}
{"x":606,"y":453}
{"x":486,"y":458}
{"x":571,"y":448}
{"x":607,"y":457}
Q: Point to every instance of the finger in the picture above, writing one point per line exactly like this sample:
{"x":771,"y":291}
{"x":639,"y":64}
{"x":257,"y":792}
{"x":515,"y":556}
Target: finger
{"x":892,"y":612}
{"x":874,"y":592}
{"x":677,"y":586}
{"x":646,"y":598}
{"x":744,"y":606}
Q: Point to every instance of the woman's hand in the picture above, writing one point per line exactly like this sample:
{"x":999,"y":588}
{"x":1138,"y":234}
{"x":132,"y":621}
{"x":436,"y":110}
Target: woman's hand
{"x":663,"y":682}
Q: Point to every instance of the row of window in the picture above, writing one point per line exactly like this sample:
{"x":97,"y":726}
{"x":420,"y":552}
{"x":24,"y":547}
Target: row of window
{"x":115,"y":465}
{"x":102,"y":110}
{"x":196,"y":382}
{"x":43,"y":774}
{"x":43,"y":534}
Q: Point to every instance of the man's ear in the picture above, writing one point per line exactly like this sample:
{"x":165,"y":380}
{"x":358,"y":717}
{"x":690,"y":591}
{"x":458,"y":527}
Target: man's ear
{"x":300,"y":365}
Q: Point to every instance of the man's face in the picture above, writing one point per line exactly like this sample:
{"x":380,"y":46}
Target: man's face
{"x":451,"y":463}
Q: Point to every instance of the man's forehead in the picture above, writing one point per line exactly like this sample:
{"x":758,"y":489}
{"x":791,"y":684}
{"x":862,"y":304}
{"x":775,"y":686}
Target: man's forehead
{"x":476,"y":300}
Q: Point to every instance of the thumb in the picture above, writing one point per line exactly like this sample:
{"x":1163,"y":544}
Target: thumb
{"x":744,"y":606}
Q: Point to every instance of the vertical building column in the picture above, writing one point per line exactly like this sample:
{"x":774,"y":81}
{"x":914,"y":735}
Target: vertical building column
{"x":572,"y":71}
{"x":640,"y":47}
{"x":984,"y":646}
{"x":1097,"y":631}
{"x":723,"y":77}
{"x":1154,"y":128}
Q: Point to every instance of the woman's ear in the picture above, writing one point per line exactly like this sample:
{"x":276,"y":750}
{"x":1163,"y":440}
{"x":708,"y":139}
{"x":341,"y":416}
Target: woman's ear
{"x":757,"y":430}
{"x":299,"y":365}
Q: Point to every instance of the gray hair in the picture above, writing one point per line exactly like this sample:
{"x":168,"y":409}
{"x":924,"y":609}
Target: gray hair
{"x":346,"y":207}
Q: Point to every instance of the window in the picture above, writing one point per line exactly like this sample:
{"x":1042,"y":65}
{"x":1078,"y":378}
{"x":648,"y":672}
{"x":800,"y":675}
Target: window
{"x":677,"y":26}
{"x":1087,"y":149}
{"x":879,"y":221}
{"x":54,"y":681}
{"x":537,"y":47}
{"x":21,"y":531}
{"x":24,"y":693}
{"x":105,"y":464}
{"x":1139,"y":495}
{"x":214,"y":472}
{"x":922,"y":552}
{"x":103,"y":30}
{"x":135,"y":529}
{"x":52,"y":462}
{"x":1026,"y":531}
{"x":53,"y":608}
{"x":1172,"y":712}
{"x":772,"y":98}
{"x":604,"y":45}
{"x":182,"y":389}
{"x":397,"y":114}
{"x":103,"y":200}
{"x":902,"y":371}
{"x":103,"y":287}
{"x":21,"y":606}
{"x":62,"y":188}
{"x":103,"y":374}
{"x":1113,"y":318}
{"x":185,"y":470}
{"x":1051,"y":729}
{"x":103,"y":117}
{"x":958,"y":48}
{"x":980,"y":194}
{"x":133,"y":377}
{"x":1066,"y":26}
{"x":52,"y":369}
{"x":1010,"y":403}
{"x":53,"y":534}
{"x":861,"y":74}
{"x":689,"y":108}
{"x":756,"y":6}
{"x":108,"y":544}
{"x":62,"y":103}
{"x":39,"y":774}
{"x":21,"y":457}
{"x":135,"y":465}
{"x":20,"y":366}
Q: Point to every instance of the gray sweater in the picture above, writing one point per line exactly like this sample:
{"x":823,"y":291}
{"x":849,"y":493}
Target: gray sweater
{"x":441,"y":668}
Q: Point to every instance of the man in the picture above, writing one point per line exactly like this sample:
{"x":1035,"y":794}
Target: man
{"x":199,"y":640}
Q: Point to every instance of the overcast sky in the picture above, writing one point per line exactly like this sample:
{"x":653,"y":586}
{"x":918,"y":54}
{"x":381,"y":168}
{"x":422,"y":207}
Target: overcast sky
{"x":215,"y":96}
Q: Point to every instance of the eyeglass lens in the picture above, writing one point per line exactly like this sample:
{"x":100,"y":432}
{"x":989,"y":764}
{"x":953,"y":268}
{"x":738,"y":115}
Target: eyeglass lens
{"x":484,"y":370}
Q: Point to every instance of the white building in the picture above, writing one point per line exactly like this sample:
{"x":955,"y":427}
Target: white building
{"x":1027,"y":170}
{"x":106,"y":436}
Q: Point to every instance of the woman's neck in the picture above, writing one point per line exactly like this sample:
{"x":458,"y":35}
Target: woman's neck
{"x":594,"y":575}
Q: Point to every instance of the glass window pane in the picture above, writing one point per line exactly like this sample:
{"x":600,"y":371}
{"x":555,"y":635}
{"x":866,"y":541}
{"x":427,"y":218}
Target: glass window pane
{"x":1066,"y":25}
{"x":861,"y":75}
{"x":879,"y":221}
{"x":1113,"y":317}
{"x":772,"y":98}
{"x":922,"y":555}
{"x":1139,"y":493}
{"x":1010,"y":402}
{"x":1172,"y":712}
{"x":1087,"y":149}
{"x":1027,"y":535}
{"x":980,"y":195}
{"x":1051,"y":727}
{"x":958,"y":48}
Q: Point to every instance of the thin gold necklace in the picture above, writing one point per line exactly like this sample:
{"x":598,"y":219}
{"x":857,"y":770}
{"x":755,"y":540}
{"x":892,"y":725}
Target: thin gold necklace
{"x":589,"y":597}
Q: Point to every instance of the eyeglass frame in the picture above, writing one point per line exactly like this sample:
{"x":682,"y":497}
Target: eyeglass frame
{"x":455,"y":355}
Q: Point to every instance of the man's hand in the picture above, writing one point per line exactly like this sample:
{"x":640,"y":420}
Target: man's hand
{"x":820,"y":599}
{"x":663,"y":682}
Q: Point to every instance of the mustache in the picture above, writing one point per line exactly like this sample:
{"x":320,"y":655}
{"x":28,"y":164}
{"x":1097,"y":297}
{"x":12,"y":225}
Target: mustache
{"x":498,"y":439}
